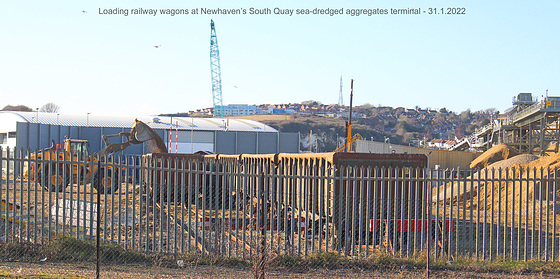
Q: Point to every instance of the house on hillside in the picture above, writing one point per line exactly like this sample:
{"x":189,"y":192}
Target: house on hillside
{"x":436,"y":143}
{"x":441,"y":143}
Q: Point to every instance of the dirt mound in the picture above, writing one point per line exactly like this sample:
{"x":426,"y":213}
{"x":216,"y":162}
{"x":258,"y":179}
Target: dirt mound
{"x":516,"y":191}
{"x":494,"y":154}
{"x":551,"y":161}
{"x":460,"y":191}
{"x":521,"y":159}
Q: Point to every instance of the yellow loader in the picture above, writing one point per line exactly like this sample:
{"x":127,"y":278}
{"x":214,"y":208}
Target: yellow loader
{"x":53,"y":167}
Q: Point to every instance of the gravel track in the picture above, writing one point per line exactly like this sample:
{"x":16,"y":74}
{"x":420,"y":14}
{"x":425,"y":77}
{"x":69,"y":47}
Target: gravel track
{"x":207,"y":271}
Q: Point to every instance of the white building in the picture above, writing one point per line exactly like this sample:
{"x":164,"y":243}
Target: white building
{"x":238,"y":109}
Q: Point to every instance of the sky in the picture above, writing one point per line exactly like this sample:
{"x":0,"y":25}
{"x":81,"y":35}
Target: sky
{"x":84,"y":60}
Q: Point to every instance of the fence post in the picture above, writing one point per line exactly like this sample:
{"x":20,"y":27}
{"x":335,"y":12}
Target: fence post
{"x":428,"y":223}
{"x":98,"y":222}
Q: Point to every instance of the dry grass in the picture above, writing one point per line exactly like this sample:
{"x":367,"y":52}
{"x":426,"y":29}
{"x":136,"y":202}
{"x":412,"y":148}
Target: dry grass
{"x":79,"y":262}
{"x":321,"y":265}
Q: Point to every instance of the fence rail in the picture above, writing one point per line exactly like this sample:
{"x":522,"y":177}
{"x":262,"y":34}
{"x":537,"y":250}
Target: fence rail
{"x":233,"y":207}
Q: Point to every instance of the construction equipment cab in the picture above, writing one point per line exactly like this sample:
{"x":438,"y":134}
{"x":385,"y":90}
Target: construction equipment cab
{"x":51,"y":168}
{"x":76,"y":146}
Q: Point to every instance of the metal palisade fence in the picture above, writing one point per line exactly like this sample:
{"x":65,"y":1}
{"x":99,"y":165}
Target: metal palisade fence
{"x":248,"y":205}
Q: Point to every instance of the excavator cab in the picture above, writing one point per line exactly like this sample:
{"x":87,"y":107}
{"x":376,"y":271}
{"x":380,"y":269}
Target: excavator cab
{"x":78,"y":147}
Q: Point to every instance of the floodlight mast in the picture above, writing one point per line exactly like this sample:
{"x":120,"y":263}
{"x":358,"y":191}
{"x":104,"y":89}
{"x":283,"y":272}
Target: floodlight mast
{"x":216,"y":73}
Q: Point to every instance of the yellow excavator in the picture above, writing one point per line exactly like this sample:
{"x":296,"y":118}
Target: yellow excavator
{"x":53,"y":166}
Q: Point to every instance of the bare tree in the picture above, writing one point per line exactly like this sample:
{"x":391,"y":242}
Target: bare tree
{"x":50,"y":107}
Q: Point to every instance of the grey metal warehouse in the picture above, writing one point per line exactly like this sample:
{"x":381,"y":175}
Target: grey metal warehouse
{"x":36,"y":130}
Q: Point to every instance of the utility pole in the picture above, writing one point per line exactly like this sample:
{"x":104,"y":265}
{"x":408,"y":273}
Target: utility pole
{"x":310,"y":147}
{"x":349,"y":127}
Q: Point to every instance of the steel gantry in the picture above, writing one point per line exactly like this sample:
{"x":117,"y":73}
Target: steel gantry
{"x":530,"y":127}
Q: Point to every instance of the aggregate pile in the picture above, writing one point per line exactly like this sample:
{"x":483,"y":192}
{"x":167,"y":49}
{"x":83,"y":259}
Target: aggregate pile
{"x":521,"y":186}
{"x":460,"y":192}
{"x":521,"y":159}
{"x":496,"y":153}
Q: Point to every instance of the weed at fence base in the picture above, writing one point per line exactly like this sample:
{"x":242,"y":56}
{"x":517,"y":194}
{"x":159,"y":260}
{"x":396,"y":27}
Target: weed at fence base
{"x":68,"y":249}
{"x":5,"y":274}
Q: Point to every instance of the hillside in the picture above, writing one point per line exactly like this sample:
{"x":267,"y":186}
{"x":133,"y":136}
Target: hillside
{"x":402,"y":126}
{"x":325,"y":130}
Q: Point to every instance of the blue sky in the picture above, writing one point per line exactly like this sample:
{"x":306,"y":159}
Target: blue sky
{"x":51,"y":51}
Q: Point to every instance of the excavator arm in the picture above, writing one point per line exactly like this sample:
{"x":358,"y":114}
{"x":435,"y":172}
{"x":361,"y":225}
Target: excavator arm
{"x":342,"y":148}
{"x":139,"y":133}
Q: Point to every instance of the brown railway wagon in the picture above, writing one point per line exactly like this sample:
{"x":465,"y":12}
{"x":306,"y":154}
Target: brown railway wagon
{"x":166,"y":174}
{"x":323,"y":188}
{"x":178,"y":177}
{"x":328,"y":185}
{"x":292,"y":173}
{"x":375,"y":187}
{"x":382,"y":187}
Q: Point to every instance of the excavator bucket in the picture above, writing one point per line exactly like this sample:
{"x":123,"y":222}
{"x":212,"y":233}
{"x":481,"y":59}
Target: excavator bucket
{"x":141,"y":132}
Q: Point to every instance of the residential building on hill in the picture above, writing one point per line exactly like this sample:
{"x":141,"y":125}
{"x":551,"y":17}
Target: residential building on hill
{"x":238,"y":110}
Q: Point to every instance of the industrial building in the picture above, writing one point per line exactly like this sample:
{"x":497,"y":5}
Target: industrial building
{"x":37,"y":130}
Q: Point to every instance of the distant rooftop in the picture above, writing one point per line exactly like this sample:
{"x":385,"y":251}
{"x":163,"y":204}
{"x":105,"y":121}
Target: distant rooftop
{"x":156,"y":122}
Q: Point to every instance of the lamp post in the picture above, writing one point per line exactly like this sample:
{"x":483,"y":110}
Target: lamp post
{"x":388,"y":144}
{"x":337,"y":145}
{"x":37,"y":113}
{"x":87,"y":119}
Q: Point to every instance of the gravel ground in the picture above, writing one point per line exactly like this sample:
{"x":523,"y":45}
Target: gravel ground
{"x":131,"y":271}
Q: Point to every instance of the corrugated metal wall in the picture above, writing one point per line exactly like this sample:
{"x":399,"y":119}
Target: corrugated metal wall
{"x":267,"y":143}
{"x":39,"y":136}
{"x":443,"y":158}
{"x":286,"y":143}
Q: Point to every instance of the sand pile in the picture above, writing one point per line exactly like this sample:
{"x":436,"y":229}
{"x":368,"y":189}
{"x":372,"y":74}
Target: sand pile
{"x":552,"y":147}
{"x":460,"y":192}
{"x":524,"y":183}
{"x":496,"y":153}
{"x":521,"y":159}
{"x":550,"y":161}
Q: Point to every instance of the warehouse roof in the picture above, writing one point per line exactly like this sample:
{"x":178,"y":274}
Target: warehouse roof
{"x":156,"y":122}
